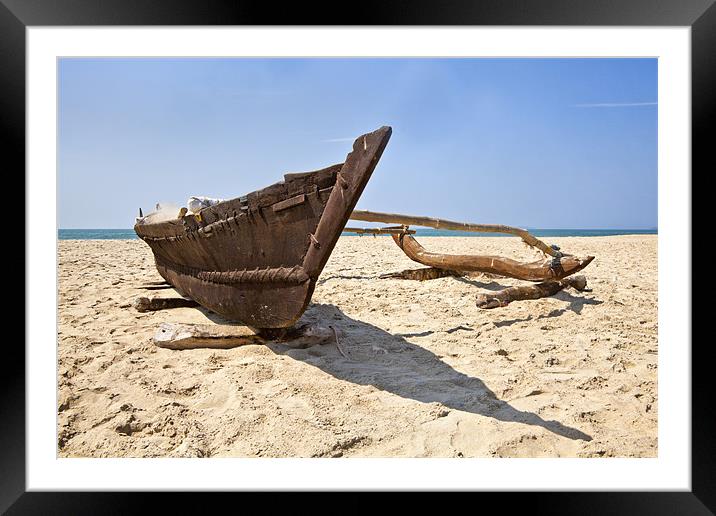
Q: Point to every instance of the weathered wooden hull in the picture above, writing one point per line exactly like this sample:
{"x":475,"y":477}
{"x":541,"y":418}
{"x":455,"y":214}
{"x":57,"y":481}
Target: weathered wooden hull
{"x":256,"y":259}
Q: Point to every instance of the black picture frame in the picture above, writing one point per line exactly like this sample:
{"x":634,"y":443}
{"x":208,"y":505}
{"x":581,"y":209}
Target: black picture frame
{"x":16,"y":15}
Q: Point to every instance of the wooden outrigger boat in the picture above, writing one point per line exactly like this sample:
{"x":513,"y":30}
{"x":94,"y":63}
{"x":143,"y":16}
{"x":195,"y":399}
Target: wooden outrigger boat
{"x":255,"y":259}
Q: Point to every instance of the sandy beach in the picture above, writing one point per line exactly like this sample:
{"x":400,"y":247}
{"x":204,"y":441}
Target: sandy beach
{"x":428,"y":375}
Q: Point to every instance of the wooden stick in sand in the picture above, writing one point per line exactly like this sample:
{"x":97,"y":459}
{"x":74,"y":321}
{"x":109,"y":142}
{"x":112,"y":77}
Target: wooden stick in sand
{"x":427,"y":273}
{"x":544,"y":289}
{"x":151,"y":304}
{"x":338,"y":343}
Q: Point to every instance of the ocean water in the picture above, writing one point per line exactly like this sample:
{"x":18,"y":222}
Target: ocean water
{"x":129,"y":234}
{"x":96,"y":234}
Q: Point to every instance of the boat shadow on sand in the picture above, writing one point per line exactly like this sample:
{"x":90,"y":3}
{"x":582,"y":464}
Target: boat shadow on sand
{"x":392,"y":364}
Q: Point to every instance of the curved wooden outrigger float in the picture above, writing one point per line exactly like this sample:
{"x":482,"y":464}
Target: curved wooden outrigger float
{"x":559,"y":266}
{"x":540,"y":270}
{"x":550,"y":271}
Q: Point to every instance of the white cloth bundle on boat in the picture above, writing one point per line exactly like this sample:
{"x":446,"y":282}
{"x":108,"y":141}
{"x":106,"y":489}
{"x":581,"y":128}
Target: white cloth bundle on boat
{"x":195,"y":204}
{"x":162,"y":212}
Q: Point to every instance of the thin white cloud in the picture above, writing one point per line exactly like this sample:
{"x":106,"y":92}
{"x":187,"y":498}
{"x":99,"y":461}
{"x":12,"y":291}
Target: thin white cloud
{"x":337,"y":140}
{"x":257,"y":93}
{"x":618,"y":104}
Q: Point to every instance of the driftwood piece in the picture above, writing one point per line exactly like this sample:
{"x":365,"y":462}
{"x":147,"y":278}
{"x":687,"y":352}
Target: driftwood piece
{"x":541,"y":270}
{"x":425,"y":274}
{"x":191,"y":336}
{"x":150,"y":304}
{"x":410,"y":220}
{"x":545,"y":289}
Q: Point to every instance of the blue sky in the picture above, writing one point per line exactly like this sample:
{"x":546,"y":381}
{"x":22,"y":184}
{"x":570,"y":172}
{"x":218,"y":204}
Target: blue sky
{"x":538,"y":143}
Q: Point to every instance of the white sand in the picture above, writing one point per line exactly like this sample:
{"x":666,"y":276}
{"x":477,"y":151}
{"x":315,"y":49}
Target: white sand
{"x":431,"y":374}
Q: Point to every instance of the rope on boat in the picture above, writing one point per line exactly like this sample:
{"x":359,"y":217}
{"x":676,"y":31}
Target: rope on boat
{"x":286,"y":275}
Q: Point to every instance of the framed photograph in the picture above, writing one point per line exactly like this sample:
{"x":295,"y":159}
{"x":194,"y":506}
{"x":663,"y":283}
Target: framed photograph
{"x":225,"y":207}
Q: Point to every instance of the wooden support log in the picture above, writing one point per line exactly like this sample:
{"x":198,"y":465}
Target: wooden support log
{"x":425,"y":274}
{"x":191,"y":336}
{"x":150,"y":304}
{"x":410,"y":220}
{"x":545,"y":289}
{"x":541,"y":270}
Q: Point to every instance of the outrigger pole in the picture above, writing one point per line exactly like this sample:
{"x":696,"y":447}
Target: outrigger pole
{"x":398,"y":230}
{"x":410,"y":220}
{"x":559,"y":266}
